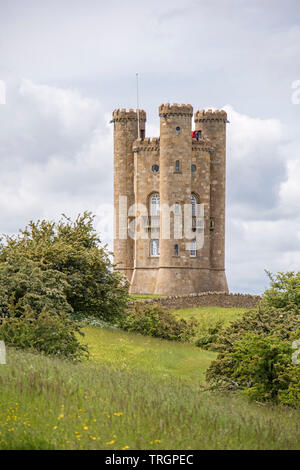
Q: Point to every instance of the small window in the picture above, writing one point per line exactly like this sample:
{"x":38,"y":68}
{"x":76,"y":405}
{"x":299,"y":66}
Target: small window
{"x":155,"y":168}
{"x":194,"y":205}
{"x":142,"y":134}
{"x":177,"y":208}
{"x":176,"y":250}
{"x":154,"y":247}
{"x":177,"y":166}
{"x":193,"y":168}
{"x":193,"y":251}
{"x":212,"y":224}
{"x":177,"y":128}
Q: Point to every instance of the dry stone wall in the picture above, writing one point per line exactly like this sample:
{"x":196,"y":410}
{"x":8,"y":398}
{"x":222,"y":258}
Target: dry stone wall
{"x":205,"y":299}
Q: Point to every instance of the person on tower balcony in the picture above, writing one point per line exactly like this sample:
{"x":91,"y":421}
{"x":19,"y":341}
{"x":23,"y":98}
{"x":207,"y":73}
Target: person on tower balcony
{"x":196,"y":135}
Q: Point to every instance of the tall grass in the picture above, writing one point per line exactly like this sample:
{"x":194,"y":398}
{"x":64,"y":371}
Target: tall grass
{"x":48,"y":403}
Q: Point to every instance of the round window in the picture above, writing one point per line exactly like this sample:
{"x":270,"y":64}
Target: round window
{"x":155,"y":168}
{"x":193,"y":168}
{"x":178,"y":128}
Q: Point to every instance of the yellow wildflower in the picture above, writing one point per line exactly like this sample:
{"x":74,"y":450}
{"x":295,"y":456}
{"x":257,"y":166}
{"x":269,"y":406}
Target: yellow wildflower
{"x":119,"y":413}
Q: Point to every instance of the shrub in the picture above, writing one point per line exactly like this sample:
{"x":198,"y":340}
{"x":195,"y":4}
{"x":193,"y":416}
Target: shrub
{"x":256,"y":366}
{"x":255,"y":355}
{"x":24,"y":284}
{"x":73,"y":251}
{"x":290,"y":395}
{"x":155,"y":320}
{"x":209,"y":337}
{"x":47,"y":332}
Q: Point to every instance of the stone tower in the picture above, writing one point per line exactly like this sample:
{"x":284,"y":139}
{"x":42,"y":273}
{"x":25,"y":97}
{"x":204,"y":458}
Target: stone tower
{"x":156,"y":183}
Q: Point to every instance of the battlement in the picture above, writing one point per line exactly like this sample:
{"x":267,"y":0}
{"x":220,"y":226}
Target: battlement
{"x":146,"y":144}
{"x":175,"y":109}
{"x":209,"y":115}
{"x":131,"y":114}
{"x":202,"y":144}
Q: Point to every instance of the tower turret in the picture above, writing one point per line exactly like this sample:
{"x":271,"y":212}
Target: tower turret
{"x":125,"y":133}
{"x":175,"y":187}
{"x":212,"y":125}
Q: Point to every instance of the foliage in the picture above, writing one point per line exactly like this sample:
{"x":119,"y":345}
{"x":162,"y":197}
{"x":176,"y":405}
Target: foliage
{"x":47,"y":332}
{"x":284,"y":291}
{"x":73,"y":251}
{"x":209,"y":336}
{"x":291,"y":394}
{"x":24,"y":284}
{"x":254,"y":366}
{"x":255,"y":350}
{"x":155,"y":320}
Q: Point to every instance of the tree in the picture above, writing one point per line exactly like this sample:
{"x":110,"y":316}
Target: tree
{"x":63,"y":260}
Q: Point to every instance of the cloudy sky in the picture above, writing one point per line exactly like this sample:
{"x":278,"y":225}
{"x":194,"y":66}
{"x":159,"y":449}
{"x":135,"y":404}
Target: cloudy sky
{"x":66,"y":64}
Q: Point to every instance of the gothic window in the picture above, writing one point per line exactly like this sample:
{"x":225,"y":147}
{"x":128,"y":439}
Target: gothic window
{"x":193,"y":251}
{"x":176,"y":250}
{"x":154,"y":204}
{"x":154,"y":247}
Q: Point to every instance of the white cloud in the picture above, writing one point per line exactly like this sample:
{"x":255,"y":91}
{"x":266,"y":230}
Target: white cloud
{"x":57,"y":155}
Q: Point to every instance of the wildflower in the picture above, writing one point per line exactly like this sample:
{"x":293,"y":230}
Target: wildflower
{"x":125,"y":447}
{"x":118,"y":414}
{"x":157,"y":441}
{"x":60,"y":416}
{"x":111,"y":442}
{"x":54,"y":427}
{"x":85,"y":427}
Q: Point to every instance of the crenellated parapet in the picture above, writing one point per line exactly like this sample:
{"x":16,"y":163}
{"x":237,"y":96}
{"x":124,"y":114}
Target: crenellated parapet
{"x":202,"y":145}
{"x":209,"y":115}
{"x":175,"y":110}
{"x":131,"y":114}
{"x":146,"y":145}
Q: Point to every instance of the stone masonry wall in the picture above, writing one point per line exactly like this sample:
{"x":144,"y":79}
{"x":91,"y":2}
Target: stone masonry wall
{"x":205,"y":299}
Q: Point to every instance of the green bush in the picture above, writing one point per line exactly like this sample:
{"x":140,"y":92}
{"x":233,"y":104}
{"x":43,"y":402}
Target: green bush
{"x":290,"y":395}
{"x":256,"y":366}
{"x":209,"y":337}
{"x":155,"y":320}
{"x":73,"y":251}
{"x":24,"y":284}
{"x":48,"y":333}
{"x":255,"y":350}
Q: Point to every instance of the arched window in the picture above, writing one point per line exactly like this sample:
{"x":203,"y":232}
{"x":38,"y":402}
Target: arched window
{"x":194,"y":205}
{"x":177,"y":167}
{"x":154,"y":204}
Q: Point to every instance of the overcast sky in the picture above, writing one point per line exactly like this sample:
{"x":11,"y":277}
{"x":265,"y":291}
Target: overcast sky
{"x":67,"y":64}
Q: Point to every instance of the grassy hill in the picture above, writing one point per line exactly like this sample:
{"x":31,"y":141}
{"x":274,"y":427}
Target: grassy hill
{"x":136,"y":392}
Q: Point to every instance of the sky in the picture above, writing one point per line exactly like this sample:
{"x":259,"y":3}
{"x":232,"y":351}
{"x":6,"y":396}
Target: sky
{"x":66,"y":65}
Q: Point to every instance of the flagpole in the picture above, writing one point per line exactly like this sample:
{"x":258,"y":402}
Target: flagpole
{"x":137,"y":103}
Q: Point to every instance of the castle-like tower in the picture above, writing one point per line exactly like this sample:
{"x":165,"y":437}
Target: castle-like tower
{"x":155,"y":180}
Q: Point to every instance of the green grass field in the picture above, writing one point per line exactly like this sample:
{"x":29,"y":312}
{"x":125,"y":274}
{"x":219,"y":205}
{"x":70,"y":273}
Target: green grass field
{"x":161,"y":358}
{"x":135,"y":392}
{"x":209,"y":316}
